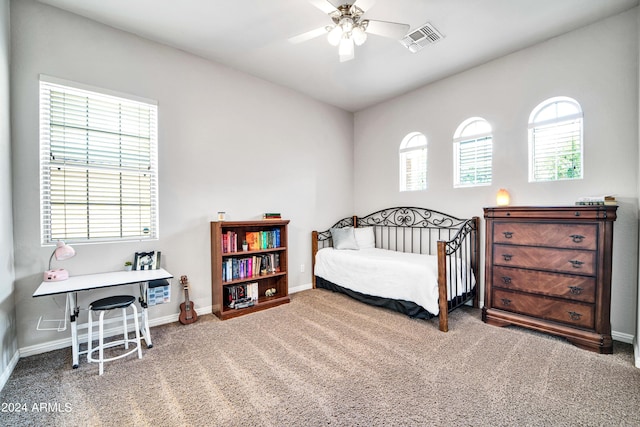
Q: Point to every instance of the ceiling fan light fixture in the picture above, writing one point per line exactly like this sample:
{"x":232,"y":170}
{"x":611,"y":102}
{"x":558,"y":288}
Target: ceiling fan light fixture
{"x":348,"y":29}
{"x":346,"y":24}
{"x":346,"y":50}
{"x":358,"y":35}
{"x":335,"y":35}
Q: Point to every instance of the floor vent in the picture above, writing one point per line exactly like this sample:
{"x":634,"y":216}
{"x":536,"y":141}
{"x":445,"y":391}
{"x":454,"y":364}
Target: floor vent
{"x":417,"y":39}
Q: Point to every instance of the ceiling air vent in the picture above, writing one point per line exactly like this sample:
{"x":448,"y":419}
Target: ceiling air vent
{"x":417,"y":39}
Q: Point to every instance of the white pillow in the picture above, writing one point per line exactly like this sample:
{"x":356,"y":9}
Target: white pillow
{"x":343,"y":238}
{"x":365,"y":239}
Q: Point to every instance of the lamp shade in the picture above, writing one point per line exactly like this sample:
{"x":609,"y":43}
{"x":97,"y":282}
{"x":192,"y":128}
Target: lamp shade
{"x":61,"y":252}
{"x":502,"y":198}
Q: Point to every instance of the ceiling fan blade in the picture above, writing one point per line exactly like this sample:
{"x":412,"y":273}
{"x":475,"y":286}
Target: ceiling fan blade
{"x":308,"y":35}
{"x":392,"y":30}
{"x":324,"y":5}
{"x":337,"y":3}
{"x":364,"y":4}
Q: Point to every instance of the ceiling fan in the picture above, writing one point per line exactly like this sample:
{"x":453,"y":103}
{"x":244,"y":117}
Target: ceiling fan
{"x":348,"y":28}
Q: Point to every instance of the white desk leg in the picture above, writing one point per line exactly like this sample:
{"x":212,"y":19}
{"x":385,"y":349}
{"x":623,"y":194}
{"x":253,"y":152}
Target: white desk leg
{"x":73,"y":323}
{"x":146,"y":333}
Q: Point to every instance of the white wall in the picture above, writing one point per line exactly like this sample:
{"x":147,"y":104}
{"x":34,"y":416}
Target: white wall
{"x":227,"y":141}
{"x":596,"y":65}
{"x":8,"y":334}
{"x":637,"y":341}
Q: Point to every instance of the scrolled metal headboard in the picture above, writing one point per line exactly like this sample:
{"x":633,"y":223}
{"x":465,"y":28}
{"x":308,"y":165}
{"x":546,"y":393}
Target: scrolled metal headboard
{"x":410,"y":217}
{"x":326,"y":235}
{"x":406,"y":229}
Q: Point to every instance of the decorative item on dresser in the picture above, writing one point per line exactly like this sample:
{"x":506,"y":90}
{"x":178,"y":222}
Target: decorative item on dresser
{"x":240,"y":279}
{"x":549,"y":269}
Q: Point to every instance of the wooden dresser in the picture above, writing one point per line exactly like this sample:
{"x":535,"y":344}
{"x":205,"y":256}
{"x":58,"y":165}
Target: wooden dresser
{"x":549,"y":269}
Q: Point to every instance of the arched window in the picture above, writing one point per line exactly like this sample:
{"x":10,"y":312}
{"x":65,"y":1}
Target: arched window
{"x":413,"y":162}
{"x":472,"y":153}
{"x":555,"y":140}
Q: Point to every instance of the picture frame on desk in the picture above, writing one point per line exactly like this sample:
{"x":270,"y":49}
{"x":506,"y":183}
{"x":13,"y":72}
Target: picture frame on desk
{"x":147,"y":260}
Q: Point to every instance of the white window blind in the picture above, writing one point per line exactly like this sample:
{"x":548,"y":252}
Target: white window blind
{"x":98,"y":166}
{"x":473,"y":153}
{"x":413,"y":162}
{"x":555,"y":141}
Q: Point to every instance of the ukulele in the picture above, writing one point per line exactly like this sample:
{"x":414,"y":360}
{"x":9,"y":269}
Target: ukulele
{"x":187,"y":313}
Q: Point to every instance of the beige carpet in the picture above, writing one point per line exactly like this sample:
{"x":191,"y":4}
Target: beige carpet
{"x":326,"y":360}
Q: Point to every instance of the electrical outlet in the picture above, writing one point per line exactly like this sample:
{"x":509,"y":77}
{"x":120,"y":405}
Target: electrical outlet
{"x":301,"y":268}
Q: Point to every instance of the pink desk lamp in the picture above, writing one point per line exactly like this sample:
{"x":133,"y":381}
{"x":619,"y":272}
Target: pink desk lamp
{"x":61,"y":252}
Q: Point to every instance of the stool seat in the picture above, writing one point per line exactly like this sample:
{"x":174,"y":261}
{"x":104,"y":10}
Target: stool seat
{"x":109,"y":303}
{"x":101,"y":306}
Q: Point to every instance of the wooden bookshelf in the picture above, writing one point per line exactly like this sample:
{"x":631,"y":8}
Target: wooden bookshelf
{"x":231,"y":265}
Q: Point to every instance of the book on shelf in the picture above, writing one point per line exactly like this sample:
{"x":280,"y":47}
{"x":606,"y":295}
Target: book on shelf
{"x":253,"y":240}
{"x":248,"y":267}
{"x":256,"y":240}
{"x":597,"y":201}
{"x":241,"y":296}
{"x":229,"y":242}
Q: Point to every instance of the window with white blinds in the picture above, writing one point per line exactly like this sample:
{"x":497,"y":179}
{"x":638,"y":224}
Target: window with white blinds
{"x":98,"y":158}
{"x":413,"y":162}
{"x":473,"y":153}
{"x":555,"y":140}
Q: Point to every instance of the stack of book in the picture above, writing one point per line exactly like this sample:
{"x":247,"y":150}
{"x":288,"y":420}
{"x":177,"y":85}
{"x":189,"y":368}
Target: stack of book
{"x":271,"y":215}
{"x":597,"y":201}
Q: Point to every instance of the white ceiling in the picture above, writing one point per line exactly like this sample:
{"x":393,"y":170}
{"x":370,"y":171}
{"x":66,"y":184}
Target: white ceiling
{"x":251,"y":36}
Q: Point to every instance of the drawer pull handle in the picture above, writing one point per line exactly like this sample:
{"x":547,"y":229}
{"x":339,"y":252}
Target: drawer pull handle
{"x":505,"y":301}
{"x":506,"y":280}
{"x":577,"y":238}
{"x":575,"y":290}
{"x":576,"y":263}
{"x":507,"y":257}
{"x":574,"y":316}
{"x":507,"y":234}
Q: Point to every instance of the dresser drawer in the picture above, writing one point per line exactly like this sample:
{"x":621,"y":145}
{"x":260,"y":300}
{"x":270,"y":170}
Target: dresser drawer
{"x":576,"y":288}
{"x":571,"y":313}
{"x":561,"y":260}
{"x":572,"y":236}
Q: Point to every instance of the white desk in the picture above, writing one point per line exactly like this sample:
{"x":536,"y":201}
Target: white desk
{"x":88,"y":282}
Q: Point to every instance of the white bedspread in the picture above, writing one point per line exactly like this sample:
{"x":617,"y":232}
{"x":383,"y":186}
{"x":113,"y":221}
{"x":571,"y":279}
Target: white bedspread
{"x":385,"y":273}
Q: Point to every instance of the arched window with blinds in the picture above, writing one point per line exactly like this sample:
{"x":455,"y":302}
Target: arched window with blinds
{"x":555,"y":140}
{"x":472,"y":153}
{"x":413,"y":162}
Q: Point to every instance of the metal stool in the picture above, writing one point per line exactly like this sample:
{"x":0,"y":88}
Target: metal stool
{"x":103,"y":305}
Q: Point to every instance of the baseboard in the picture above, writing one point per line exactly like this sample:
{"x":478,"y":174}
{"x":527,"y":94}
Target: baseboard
{"x":636,"y":352}
{"x":300,"y":288}
{"x":9,"y":370}
{"x":66,"y":342}
{"x":622,"y":337}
